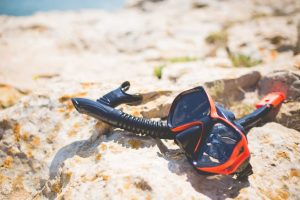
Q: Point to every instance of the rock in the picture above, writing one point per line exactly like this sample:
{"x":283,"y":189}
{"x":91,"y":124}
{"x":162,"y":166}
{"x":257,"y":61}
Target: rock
{"x":281,"y":81}
{"x":275,"y":159}
{"x":70,"y":155}
{"x":50,"y":151}
{"x":140,"y":3}
{"x":297,"y":62}
{"x":276,"y":39}
{"x":31,"y":135}
{"x":289,"y":115}
{"x":9,"y":95}
{"x":200,"y":4}
{"x":228,"y":90}
{"x":297,"y":46}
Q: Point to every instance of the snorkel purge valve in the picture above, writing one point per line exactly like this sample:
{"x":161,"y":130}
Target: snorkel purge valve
{"x":213,"y":140}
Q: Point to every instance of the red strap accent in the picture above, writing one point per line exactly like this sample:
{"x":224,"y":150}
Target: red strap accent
{"x":273,"y":98}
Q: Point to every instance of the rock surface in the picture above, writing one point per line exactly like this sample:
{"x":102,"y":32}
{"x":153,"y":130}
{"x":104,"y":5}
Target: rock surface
{"x":50,"y":151}
{"x":9,"y":96}
{"x":281,"y":81}
{"x":289,"y":115}
{"x":70,"y":156}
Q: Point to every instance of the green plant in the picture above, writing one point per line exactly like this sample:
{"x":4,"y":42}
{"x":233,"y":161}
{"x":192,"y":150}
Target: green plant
{"x":158,"y":71}
{"x":241,"y":60}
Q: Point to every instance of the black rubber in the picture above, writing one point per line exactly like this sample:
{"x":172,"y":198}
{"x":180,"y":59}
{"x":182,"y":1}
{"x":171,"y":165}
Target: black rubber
{"x":255,"y":117}
{"x":119,"y":119}
{"x":155,"y":129}
{"x":119,"y":96}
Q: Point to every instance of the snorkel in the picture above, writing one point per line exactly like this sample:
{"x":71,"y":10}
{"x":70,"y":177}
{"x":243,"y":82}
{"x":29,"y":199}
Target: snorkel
{"x":103,"y":109}
{"x":212,"y":139}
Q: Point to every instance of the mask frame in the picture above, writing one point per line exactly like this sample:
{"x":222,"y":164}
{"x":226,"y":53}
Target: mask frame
{"x":205,"y":122}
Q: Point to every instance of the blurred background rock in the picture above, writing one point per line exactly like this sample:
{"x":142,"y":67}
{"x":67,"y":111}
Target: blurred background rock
{"x":239,"y":50}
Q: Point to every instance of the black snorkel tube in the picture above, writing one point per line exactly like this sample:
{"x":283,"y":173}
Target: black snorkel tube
{"x":103,"y":109}
{"x":267,"y":108}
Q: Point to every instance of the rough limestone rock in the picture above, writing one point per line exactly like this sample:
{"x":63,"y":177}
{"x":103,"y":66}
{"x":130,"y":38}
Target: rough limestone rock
{"x":275,"y":159}
{"x":9,"y":95}
{"x":283,"y":81}
{"x":227,"y":90}
{"x":90,"y":46}
{"x":50,"y":151}
{"x":289,"y":115}
{"x":164,"y":173}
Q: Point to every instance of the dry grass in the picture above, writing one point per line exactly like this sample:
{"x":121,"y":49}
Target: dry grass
{"x":241,"y":109}
{"x":183,"y":59}
{"x":219,"y":38}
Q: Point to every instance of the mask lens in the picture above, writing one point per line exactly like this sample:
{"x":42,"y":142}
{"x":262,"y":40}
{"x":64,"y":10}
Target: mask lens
{"x":218,"y":146}
{"x":188,"y":107}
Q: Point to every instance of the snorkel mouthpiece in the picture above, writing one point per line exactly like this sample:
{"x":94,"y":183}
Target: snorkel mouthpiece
{"x":213,"y":140}
{"x":76,"y":104}
{"x":97,"y":110}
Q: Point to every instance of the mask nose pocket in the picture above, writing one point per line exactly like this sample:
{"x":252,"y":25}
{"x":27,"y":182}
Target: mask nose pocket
{"x":189,"y":139}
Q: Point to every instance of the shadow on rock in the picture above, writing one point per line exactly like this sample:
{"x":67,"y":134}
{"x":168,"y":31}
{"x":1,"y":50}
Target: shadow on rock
{"x":83,"y":148}
{"x":212,"y":186}
{"x":86,"y":148}
{"x":130,"y":140}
